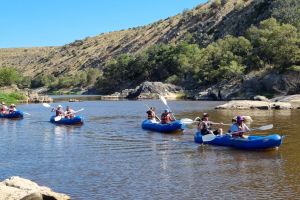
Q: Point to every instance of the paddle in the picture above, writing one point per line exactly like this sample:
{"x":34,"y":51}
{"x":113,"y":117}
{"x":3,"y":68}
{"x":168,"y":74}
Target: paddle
{"x":149,"y":109}
{"x":57,"y":118}
{"x":190,"y":121}
{"x":46,"y":105}
{"x":211,"y":136}
{"x":165,"y":102}
{"x":26,"y":113}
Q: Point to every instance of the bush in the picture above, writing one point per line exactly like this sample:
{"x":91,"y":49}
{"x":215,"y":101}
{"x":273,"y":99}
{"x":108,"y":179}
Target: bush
{"x":9,"y":76}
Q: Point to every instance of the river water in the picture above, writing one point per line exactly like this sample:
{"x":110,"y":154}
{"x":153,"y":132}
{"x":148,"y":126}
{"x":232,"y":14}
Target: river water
{"x":111,"y":157}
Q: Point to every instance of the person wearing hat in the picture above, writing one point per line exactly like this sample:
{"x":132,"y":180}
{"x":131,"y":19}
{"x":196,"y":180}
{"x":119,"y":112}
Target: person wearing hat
{"x":238,"y":128}
{"x":166,"y":117}
{"x":12,"y":108}
{"x":151,"y":114}
{"x":59,"y":111}
{"x":4,"y":108}
{"x":205,"y":126}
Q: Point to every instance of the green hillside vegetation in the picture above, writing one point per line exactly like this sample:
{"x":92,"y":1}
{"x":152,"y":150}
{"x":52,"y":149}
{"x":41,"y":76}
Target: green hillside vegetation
{"x":216,"y":42}
{"x":270,"y":44}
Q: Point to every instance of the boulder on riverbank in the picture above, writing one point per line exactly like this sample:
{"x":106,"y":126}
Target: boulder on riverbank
{"x":261,"y":105}
{"x":16,"y":188}
{"x":149,"y":90}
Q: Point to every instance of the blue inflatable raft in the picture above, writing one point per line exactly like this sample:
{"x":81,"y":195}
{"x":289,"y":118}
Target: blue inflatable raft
{"x":164,"y":128}
{"x":77,"y":120}
{"x":253,"y":142}
{"x":14,"y":115}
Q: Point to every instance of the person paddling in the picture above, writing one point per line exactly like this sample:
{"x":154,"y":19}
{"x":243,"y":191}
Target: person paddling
{"x":69,"y":113}
{"x":12,"y":108}
{"x":58,"y":111}
{"x":239,"y":127}
{"x":166,"y":117}
{"x":205,"y":126}
{"x":4,"y":108}
{"x":151,"y":114}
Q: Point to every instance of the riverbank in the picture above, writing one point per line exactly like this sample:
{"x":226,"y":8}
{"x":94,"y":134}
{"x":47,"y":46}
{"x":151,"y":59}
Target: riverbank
{"x":13,"y":94}
{"x":12,"y":97}
{"x":16,"y":188}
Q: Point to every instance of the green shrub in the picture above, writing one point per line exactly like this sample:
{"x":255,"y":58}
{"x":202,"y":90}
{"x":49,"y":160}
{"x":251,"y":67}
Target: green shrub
{"x":9,"y":76}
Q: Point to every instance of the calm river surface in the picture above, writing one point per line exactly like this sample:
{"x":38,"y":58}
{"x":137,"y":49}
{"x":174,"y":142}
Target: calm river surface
{"x":111,"y":157}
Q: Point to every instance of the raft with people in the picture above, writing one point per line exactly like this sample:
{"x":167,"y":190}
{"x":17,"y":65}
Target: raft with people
{"x":251,"y":142}
{"x":10,"y":112}
{"x":77,"y":120}
{"x":166,"y":124}
{"x":13,"y":115}
{"x":173,"y":126}
{"x":67,"y":117}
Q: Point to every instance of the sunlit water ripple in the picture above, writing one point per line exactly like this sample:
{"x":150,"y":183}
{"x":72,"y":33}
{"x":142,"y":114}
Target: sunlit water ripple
{"x":111,"y":157}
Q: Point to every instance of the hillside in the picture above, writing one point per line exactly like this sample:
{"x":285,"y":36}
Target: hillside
{"x":223,"y":49}
{"x":202,"y":25}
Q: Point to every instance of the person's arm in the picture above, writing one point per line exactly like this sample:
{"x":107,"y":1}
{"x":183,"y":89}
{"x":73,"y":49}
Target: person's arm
{"x":246,"y":128}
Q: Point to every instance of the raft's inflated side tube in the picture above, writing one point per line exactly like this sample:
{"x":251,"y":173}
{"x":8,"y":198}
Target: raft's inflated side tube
{"x":73,"y":121}
{"x":253,"y":142}
{"x":14,"y":115}
{"x":164,"y":128}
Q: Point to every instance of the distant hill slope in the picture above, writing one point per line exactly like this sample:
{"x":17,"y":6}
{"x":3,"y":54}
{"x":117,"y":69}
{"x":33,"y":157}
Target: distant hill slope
{"x":202,"y":25}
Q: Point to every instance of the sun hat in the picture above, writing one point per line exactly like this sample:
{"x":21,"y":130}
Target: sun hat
{"x":205,"y":115}
{"x":239,"y":118}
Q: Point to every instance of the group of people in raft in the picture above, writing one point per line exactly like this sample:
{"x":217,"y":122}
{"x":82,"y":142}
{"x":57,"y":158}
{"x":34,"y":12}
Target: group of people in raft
{"x":59,"y":111}
{"x":69,"y":113}
{"x":237,"y":129}
{"x":7,"y":110}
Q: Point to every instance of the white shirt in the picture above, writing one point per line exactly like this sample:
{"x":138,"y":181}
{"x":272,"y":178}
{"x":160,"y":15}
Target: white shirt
{"x":236,"y":128}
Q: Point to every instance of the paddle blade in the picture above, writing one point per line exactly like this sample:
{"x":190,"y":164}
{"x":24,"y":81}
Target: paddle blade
{"x":82,"y":109}
{"x":163,"y":99}
{"x":26,"y":113}
{"x":46,"y":105}
{"x":187,"y":121}
{"x":208,"y":137}
{"x":57,"y":118}
{"x":266,"y":127}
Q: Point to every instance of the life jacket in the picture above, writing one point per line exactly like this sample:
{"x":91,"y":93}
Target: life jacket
{"x":151,"y":114}
{"x":69,"y":114}
{"x":165,"y":118}
{"x":206,"y":128}
{"x":11,"y":110}
{"x":59,"y":112}
{"x":3,"y":109}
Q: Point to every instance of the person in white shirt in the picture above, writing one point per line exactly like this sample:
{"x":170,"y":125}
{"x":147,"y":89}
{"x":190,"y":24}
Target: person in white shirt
{"x":239,"y":128}
{"x":12,"y":108}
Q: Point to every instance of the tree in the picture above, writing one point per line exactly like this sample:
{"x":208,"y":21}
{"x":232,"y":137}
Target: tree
{"x":9,"y":76}
{"x":275,"y":43}
{"x":287,"y":11}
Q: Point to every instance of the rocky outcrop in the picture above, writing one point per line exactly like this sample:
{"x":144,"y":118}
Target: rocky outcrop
{"x":152,"y":89}
{"x":34,"y":97}
{"x":249,"y":86}
{"x":16,"y":188}
{"x":149,"y":90}
{"x":261,"y":105}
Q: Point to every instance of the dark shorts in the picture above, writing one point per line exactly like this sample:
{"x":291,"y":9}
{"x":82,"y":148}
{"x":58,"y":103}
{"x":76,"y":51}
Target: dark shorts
{"x":215,"y":132}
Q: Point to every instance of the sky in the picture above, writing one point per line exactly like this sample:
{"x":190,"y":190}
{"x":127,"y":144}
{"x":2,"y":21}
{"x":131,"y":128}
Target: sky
{"x":30,"y":23}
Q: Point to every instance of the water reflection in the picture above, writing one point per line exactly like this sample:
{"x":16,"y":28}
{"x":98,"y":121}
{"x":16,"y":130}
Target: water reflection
{"x":111,"y":157}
